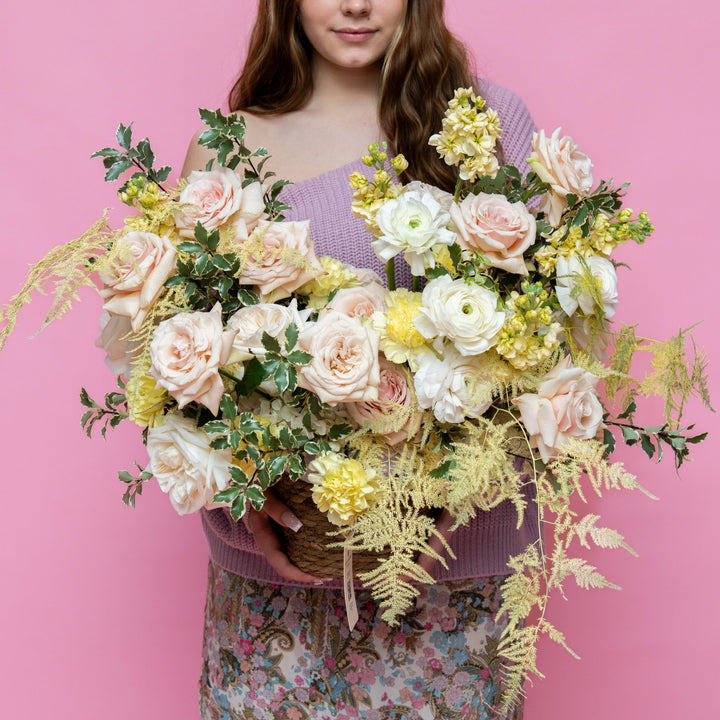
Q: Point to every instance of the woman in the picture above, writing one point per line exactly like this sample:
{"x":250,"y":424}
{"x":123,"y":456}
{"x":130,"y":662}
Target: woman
{"x":323,"y":80}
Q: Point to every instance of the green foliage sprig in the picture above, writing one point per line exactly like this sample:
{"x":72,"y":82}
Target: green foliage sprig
{"x":226,"y":135}
{"x":109,"y":416}
{"x":134,"y":484}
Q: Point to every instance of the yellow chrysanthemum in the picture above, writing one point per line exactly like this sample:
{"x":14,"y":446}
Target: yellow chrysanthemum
{"x":342,"y":487}
{"x":146,"y":401}
{"x":399,"y":338}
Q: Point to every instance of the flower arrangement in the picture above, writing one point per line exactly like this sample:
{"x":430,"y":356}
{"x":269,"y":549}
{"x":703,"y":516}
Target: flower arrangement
{"x":246,"y":358}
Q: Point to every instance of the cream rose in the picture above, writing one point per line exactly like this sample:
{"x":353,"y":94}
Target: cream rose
{"x":558,"y":161}
{"x":345,"y":365}
{"x":394,"y":395}
{"x":444,"y":384}
{"x":567,"y":273}
{"x":498,"y":229}
{"x":288,"y":261}
{"x":185,"y":465}
{"x":216,"y":197}
{"x":361,"y":300}
{"x":113,"y":338}
{"x":412,"y":224}
{"x":464,"y":313}
{"x":186,"y":352}
{"x":565,"y":406}
{"x":144,"y":262}
{"x":249,"y":323}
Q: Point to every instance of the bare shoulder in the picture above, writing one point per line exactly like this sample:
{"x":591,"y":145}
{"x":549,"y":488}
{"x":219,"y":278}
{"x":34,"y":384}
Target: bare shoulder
{"x":262,"y":131}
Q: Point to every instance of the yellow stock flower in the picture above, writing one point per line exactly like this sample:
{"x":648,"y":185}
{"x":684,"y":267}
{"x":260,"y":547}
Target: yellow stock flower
{"x":400,"y":340}
{"x":146,"y":400}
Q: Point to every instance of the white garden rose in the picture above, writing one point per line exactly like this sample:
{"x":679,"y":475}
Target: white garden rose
{"x":216,"y":197}
{"x":412,"y":223}
{"x":185,"y":465}
{"x":344,"y":367}
{"x":249,"y":323}
{"x":445,"y":384}
{"x":113,"y":338}
{"x":464,"y":313}
{"x":565,"y":406}
{"x":569,"y":270}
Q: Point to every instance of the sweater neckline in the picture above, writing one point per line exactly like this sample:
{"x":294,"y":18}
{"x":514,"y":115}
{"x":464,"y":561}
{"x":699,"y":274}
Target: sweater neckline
{"x":315,"y":178}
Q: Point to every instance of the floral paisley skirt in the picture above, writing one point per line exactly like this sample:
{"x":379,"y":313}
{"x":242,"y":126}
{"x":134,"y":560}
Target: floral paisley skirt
{"x":273,"y":651}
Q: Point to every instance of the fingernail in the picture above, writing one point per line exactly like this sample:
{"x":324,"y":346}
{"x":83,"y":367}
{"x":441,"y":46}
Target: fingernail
{"x":322,"y":581}
{"x":289,"y":520}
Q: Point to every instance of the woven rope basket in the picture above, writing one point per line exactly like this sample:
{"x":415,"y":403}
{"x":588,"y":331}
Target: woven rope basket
{"x":308,"y":547}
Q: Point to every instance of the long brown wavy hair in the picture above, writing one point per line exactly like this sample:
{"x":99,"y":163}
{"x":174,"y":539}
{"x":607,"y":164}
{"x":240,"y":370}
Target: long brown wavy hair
{"x":421,"y":69}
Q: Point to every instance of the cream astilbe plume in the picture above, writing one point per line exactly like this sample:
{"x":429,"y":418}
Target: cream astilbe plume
{"x":71,"y":266}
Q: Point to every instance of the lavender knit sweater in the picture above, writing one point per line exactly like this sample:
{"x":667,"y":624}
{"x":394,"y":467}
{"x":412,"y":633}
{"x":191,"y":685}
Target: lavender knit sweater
{"x":483,"y":546}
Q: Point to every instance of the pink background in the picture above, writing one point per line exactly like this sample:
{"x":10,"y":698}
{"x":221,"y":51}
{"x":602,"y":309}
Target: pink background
{"x":101,"y":606}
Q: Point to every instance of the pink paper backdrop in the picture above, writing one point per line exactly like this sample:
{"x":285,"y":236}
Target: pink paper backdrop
{"x":101,"y":606}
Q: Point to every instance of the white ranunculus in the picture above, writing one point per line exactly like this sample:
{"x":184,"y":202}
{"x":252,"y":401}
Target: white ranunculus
{"x":185,"y":465}
{"x":464,"y":313}
{"x":412,"y":223}
{"x":567,"y":272}
{"x":443,"y":384}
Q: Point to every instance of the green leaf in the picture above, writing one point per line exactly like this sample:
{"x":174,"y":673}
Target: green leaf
{"x":227,"y":495}
{"x":125,"y":476}
{"x":106,"y":152}
{"x":203,"y":264}
{"x":296,"y":465}
{"x":190,"y":247}
{"x":443,"y":469}
{"x":124,"y":136}
{"x":286,"y":438}
{"x":222,"y":285}
{"x":228,"y":407}
{"x":276,"y":466}
{"x":298,"y":357}
{"x":175,"y":280}
{"x":248,"y":297}
{"x":609,"y":441}
{"x":312,"y":448}
{"x":200,"y":233}
{"x":291,"y":337}
{"x":338,"y":431}
{"x":281,"y":378}
{"x":236,"y":437}
{"x":221,"y":263}
{"x":436,"y":272}
{"x":248,"y":424}
{"x":254,"y":375}
{"x":270,"y":343}
{"x":237,"y":509}
{"x":215,"y":426}
{"x":220,"y":443}
{"x":117,"y":169}
{"x":213,"y":240}
{"x":629,"y":410}
{"x":455,"y":254}
{"x":239,"y":476}
{"x":647,"y":445}
{"x":256,"y":497}
{"x":630,"y":435}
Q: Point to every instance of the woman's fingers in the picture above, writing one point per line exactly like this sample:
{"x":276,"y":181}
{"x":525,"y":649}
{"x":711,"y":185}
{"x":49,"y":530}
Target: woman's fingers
{"x":281,"y":513}
{"x":269,"y":543}
{"x":442,"y":525}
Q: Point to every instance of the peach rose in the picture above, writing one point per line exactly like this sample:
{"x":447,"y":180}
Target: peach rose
{"x":394,"y":394}
{"x":498,"y":229}
{"x":186,"y":352}
{"x":363,"y":299}
{"x":277,"y":274}
{"x":145,"y":261}
{"x":345,"y":365}
{"x":565,"y":406}
{"x":217,"y":197}
{"x":558,"y":161}
{"x":113,"y":338}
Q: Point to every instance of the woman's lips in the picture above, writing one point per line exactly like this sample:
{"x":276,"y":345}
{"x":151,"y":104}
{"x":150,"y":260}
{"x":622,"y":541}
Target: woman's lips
{"x":351,"y":35}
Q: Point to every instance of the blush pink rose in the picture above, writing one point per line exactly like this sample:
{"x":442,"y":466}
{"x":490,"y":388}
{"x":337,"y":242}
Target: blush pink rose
{"x":113,"y":338}
{"x":216,"y":197}
{"x":491,"y":225}
{"x":145,"y":261}
{"x":558,"y":161}
{"x":288,"y":260}
{"x":186,"y":352}
{"x":565,"y":406}
{"x":345,"y":366}
{"x":394,"y":394}
{"x":361,"y":300}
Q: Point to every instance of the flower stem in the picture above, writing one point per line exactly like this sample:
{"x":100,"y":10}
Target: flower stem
{"x":458,"y":188}
{"x":390,"y":273}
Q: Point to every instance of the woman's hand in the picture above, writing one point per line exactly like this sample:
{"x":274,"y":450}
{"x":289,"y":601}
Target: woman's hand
{"x":258,"y":522}
{"x":442,"y":525}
